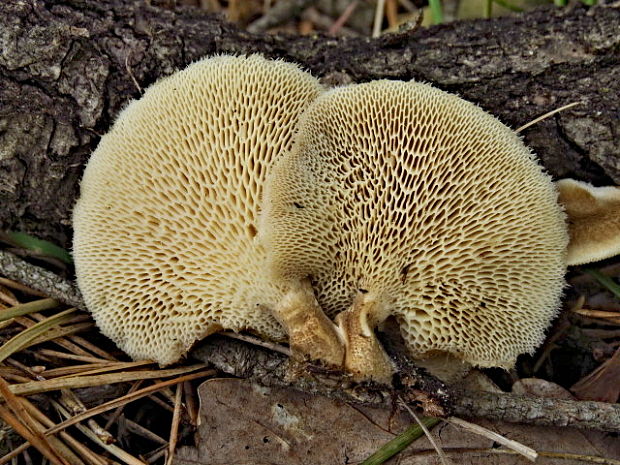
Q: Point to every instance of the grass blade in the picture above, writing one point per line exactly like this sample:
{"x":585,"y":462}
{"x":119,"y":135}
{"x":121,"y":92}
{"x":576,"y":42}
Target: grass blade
{"x":400,"y":442}
{"x":487,"y":9}
{"x":28,"y":308}
{"x":436,"y":12}
{"x":604,"y":280}
{"x":39,"y":246}
{"x":509,"y":6}
{"x":27,"y":337}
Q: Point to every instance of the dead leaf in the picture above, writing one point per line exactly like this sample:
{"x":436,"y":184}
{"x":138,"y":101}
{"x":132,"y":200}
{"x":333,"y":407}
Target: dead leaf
{"x":243,"y":423}
{"x":603,"y":384}
{"x":536,"y":387}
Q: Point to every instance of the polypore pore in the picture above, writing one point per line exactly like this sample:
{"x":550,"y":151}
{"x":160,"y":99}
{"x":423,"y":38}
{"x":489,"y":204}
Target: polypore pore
{"x":593,"y":220}
{"x":165,"y":228}
{"x":401,"y":199}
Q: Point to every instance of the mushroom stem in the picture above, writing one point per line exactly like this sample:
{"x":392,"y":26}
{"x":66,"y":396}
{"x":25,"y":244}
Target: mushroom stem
{"x":312,"y":336}
{"x":364,"y":355}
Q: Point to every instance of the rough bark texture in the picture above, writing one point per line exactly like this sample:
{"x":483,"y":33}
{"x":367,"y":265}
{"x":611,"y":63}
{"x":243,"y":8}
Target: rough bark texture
{"x":270,"y":369}
{"x":67,"y":68}
{"x":40,"y":279}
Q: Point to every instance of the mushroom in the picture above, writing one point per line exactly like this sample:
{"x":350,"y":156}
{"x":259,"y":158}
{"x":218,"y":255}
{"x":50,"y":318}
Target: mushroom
{"x":165,"y":228}
{"x":593,"y":220}
{"x":401,"y":199}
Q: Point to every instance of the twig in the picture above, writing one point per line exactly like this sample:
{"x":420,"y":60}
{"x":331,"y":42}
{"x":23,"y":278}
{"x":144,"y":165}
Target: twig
{"x":20,"y":287}
{"x":7,"y":296}
{"x":343,"y":18}
{"x":601,"y":333}
{"x":167,"y":394}
{"x":191,"y":405}
{"x":23,"y":368}
{"x":162,"y":403}
{"x":108,"y":367}
{"x":174,"y":427}
{"x":141,"y":431}
{"x":236,"y":358}
{"x":258,"y":342}
{"x":156,"y":454}
{"x":71,"y":370}
{"x":460,"y":452}
{"x":408,"y":4}
{"x":525,"y":451}
{"x":29,"y":436}
{"x":325,"y":22}
{"x":111,"y":448}
{"x":547,"y":115}
{"x":598,"y":314}
{"x":274,"y":369}
{"x":379,"y":11}
{"x":391,"y":12}
{"x":538,"y":411}
{"x":15,"y":451}
{"x":93,"y":348}
{"x":62,"y":331}
{"x":280,"y":13}
{"x":40,"y":279}
{"x":131,"y":75}
{"x":119,"y":410}
{"x":66,"y":356}
{"x":442,"y":455}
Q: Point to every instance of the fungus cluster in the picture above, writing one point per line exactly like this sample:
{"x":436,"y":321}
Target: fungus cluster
{"x":236,"y":194}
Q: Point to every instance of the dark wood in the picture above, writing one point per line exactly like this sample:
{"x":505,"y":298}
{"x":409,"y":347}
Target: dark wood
{"x":68,"y":67}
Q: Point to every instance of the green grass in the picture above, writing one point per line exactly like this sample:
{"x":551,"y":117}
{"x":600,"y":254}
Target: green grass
{"x":400,"y":442}
{"x":436,"y":12}
{"x":38,"y":246}
{"x":604,"y":280}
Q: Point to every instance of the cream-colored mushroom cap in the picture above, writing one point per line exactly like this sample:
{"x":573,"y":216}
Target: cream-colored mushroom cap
{"x":593,"y":220}
{"x":399,"y":198}
{"x":165,"y":227}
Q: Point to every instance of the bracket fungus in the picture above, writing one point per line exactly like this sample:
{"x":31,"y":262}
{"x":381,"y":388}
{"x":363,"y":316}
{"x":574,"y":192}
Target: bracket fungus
{"x":385,"y":198}
{"x":593,"y":220}
{"x":401,"y":199}
{"x":165,"y":228}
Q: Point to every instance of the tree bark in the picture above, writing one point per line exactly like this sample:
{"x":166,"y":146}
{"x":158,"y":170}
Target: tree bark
{"x":67,"y":68}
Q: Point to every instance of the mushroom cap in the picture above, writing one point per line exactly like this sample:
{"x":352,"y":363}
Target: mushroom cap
{"x":430,"y":208}
{"x":593,"y":220}
{"x":165,"y":226}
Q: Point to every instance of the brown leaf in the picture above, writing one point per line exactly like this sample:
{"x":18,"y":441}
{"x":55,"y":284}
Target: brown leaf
{"x":540,"y":388}
{"x":603,"y":384}
{"x":243,"y":423}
